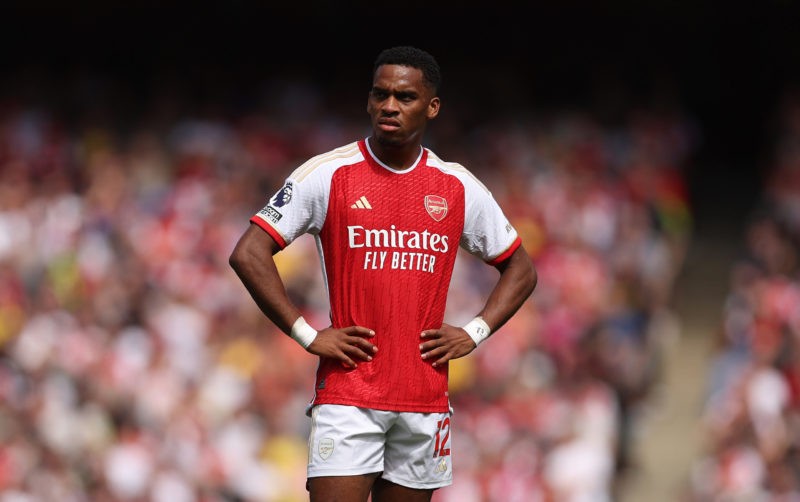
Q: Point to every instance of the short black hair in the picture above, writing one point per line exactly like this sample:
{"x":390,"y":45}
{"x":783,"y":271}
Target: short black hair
{"x":406,"y":55}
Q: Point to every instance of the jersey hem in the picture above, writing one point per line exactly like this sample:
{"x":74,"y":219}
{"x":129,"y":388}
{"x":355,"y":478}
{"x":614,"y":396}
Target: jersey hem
{"x":443,"y":408}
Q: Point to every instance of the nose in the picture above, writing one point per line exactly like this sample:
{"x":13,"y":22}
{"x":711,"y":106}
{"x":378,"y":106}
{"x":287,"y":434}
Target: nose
{"x":389,"y":106}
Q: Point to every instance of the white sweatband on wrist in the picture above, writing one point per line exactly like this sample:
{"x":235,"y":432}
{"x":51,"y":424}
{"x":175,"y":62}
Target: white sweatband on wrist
{"x":302,"y":333}
{"x":477,"y":329}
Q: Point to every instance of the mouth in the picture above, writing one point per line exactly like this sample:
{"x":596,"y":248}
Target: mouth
{"x":388,"y":125}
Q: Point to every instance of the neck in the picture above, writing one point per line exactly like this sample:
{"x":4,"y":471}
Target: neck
{"x":399,"y":157}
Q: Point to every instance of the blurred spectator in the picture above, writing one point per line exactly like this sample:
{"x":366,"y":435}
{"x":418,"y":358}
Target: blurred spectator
{"x":752,"y":408}
{"x":134,"y":367}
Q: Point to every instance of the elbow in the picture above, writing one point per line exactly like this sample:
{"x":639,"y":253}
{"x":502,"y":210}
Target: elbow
{"x":528,"y":278}
{"x":250,"y":252}
{"x":234,"y":260}
{"x":532,"y":280}
{"x":238,"y":259}
{"x":245,"y":251}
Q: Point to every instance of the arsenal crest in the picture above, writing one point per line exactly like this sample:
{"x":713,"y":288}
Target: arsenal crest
{"x":436,"y":207}
{"x":325,"y":448}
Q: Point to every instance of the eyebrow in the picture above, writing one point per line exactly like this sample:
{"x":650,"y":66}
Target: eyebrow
{"x":399,"y":92}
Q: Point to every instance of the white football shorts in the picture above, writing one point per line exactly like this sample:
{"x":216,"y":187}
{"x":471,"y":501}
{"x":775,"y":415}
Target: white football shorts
{"x":411,"y":449}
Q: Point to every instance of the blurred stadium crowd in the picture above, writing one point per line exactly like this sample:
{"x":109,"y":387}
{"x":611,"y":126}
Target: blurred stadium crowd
{"x":751,"y":414}
{"x":134,"y":367}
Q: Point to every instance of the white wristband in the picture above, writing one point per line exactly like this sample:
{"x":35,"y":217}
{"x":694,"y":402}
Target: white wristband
{"x":302,"y":333}
{"x":477,"y":329}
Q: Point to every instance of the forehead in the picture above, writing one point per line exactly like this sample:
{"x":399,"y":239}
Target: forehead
{"x":393,"y":76}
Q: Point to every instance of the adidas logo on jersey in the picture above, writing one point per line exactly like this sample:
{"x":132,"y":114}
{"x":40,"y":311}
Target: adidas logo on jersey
{"x":362,"y":203}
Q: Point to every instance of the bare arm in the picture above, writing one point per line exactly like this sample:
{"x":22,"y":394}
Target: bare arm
{"x":516,"y":283}
{"x":517,"y":280}
{"x":252,"y":260}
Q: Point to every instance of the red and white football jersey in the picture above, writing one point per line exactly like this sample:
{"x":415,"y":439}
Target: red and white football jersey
{"x":388,"y":241}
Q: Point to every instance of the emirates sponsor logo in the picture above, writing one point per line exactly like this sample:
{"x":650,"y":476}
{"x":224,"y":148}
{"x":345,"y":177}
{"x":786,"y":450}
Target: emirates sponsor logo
{"x":360,"y":237}
{"x":417,"y":249}
{"x":436,"y":206}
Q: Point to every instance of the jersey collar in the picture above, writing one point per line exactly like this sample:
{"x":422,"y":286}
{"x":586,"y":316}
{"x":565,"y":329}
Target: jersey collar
{"x":375,"y":160}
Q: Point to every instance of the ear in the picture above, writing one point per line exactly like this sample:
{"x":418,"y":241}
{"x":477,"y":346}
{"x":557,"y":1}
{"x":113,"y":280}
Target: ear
{"x":433,"y":108}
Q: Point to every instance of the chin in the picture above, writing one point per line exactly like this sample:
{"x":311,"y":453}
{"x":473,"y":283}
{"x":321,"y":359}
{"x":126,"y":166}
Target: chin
{"x":386,"y":140}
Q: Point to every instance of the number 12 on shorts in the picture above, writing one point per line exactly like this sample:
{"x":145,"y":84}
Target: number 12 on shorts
{"x":442,"y":436}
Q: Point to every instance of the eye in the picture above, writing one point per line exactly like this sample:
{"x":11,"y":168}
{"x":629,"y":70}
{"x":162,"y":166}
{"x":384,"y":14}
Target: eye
{"x":379,"y":94}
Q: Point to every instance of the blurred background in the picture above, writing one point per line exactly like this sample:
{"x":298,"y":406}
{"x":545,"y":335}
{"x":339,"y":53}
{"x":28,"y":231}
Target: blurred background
{"x":648,"y":156}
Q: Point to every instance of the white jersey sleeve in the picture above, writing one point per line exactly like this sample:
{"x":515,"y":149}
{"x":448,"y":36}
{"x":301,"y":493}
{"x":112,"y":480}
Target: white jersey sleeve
{"x":487,"y":232}
{"x":300,"y":205}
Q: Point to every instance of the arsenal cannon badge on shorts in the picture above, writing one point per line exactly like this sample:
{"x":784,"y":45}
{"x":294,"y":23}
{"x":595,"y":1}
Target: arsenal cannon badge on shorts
{"x":436,"y":206}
